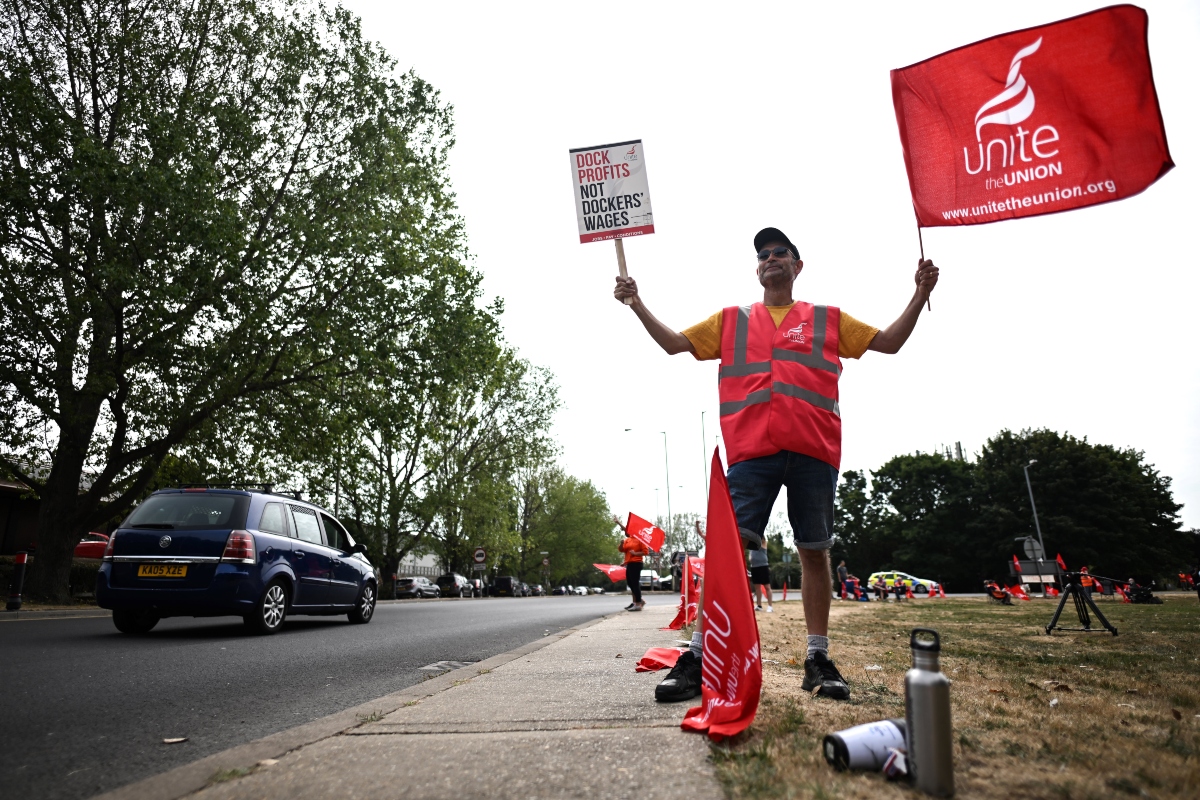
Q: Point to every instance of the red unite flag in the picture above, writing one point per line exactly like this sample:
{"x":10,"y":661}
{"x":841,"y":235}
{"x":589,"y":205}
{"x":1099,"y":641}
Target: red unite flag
{"x":1041,"y":120}
{"x":645,"y":532}
{"x":613,"y":572}
{"x":689,"y":597}
{"x":1062,"y":564}
{"x":1017,"y":565}
{"x":732,"y":673}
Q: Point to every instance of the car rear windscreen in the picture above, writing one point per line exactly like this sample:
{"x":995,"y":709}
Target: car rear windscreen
{"x":190,"y":511}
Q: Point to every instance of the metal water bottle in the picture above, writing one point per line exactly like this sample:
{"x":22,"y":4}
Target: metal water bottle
{"x":927,"y":713}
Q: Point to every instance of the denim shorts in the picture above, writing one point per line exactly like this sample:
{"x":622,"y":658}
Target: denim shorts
{"x":755,"y":483}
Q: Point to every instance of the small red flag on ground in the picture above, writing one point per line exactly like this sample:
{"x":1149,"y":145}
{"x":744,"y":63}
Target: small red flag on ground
{"x":1041,"y":120}
{"x":645,"y":532}
{"x":732,"y":673}
{"x":1061,"y":564}
{"x":614,"y":572}
{"x":657,"y":658}
{"x":1017,"y":565}
{"x":1018,"y":592}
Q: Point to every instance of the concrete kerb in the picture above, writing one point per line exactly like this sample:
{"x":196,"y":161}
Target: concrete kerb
{"x":570,"y":721}
{"x":197,"y":775}
{"x":31,"y":614}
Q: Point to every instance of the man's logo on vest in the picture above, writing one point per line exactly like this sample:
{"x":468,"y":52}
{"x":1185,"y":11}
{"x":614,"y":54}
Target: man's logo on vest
{"x":796,"y":334}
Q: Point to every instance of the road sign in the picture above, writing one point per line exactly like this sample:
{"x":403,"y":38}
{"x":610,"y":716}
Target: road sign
{"x":545,"y":562}
{"x":480,"y":555}
{"x":480,"y":567}
{"x":1033,"y":550}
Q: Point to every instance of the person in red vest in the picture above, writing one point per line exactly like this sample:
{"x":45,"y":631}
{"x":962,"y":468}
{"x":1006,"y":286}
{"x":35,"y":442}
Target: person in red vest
{"x":781,"y":424}
{"x":1085,"y":580}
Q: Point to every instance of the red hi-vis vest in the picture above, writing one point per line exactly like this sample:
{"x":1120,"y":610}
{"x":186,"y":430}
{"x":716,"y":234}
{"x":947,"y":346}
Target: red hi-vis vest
{"x":778,"y":386}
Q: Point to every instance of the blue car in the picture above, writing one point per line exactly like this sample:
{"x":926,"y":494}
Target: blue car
{"x":215,"y":552}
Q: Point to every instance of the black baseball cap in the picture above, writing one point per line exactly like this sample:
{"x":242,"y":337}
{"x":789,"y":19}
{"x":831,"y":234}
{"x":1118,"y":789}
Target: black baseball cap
{"x":768,"y":235}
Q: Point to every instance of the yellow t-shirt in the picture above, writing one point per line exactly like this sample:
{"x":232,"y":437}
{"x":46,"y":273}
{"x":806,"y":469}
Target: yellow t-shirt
{"x":853,"y":336}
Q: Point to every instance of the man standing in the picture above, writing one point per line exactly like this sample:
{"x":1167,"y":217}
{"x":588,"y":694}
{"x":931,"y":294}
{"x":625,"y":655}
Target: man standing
{"x":780,"y":363}
{"x":760,"y":579}
{"x":843,"y":574}
{"x":633,"y":551}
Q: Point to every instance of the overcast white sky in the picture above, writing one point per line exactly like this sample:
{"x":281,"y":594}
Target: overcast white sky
{"x":757,"y":114}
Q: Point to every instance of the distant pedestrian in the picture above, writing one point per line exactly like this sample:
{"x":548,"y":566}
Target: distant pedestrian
{"x":843,"y":575}
{"x":760,"y":579}
{"x":1085,"y":580}
{"x":634,"y":551}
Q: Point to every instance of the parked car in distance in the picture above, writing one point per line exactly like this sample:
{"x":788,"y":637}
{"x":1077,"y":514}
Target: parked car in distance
{"x":892,"y":578}
{"x":581,"y":591}
{"x":454,"y":585}
{"x":559,"y":590}
{"x":597,"y":590}
{"x":477,"y":587}
{"x":208,"y":552}
{"x":418,"y":586}
{"x":538,"y":590}
{"x":651,"y":581}
{"x":507,"y":586}
{"x":91,"y":546}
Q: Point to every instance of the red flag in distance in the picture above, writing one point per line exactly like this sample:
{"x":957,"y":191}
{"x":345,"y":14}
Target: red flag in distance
{"x":1045,"y":119}
{"x":732,"y":672}
{"x":1062,"y":564}
{"x":645,"y":532}
{"x":614,"y":572}
{"x":1017,"y":565}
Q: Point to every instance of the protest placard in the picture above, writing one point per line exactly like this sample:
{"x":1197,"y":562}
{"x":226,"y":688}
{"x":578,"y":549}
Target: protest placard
{"x":612,"y":194}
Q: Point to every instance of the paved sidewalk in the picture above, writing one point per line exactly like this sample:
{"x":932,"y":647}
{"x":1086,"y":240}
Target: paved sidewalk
{"x":565,"y":720}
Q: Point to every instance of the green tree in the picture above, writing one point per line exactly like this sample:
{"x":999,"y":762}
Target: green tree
{"x":1098,"y":505}
{"x":206,"y":208}
{"x":570,"y":519}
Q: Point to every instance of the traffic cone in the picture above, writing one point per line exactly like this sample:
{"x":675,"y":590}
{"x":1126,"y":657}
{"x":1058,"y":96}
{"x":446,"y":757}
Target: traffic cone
{"x":908,"y":591}
{"x":785,"y":590}
{"x":941,"y":591}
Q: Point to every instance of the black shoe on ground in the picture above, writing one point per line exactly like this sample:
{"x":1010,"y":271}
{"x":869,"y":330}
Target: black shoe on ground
{"x":820,"y":671}
{"x":682,"y":682}
{"x":631,"y":607}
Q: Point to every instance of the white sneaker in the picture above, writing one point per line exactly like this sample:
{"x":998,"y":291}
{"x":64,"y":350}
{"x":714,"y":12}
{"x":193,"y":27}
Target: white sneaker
{"x":770,"y":609}
{"x":758,"y":608}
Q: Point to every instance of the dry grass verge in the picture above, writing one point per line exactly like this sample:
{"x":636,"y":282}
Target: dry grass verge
{"x":1126,"y":724}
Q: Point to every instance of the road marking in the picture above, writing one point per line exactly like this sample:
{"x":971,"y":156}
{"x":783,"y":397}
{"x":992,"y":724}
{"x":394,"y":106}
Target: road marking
{"x":446,"y":666}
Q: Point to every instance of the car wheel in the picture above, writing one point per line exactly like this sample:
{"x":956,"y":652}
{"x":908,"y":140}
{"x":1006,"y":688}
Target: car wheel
{"x":135,"y":622}
{"x":270,"y":610}
{"x":921,"y":588}
{"x":364,"y":609}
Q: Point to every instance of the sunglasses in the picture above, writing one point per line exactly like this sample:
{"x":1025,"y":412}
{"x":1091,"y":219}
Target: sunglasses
{"x":780,"y":251}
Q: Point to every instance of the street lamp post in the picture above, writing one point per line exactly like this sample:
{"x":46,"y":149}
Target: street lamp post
{"x":1036,"y":525}
{"x":667,"y":466}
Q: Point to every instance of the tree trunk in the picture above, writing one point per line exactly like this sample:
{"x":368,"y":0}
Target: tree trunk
{"x":60,"y":527}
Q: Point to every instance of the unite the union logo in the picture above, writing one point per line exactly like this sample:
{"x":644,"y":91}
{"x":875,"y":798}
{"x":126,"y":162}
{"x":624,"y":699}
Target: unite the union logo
{"x":796,"y":334}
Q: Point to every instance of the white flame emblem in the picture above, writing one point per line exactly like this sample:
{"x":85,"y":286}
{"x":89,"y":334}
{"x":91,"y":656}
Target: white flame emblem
{"x":1012,"y":88}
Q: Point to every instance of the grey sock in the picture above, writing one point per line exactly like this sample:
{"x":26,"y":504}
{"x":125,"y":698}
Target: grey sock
{"x":817,"y":644}
{"x":696,"y":647}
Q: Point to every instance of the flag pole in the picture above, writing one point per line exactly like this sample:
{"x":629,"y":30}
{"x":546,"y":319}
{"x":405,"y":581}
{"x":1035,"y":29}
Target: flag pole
{"x":920,"y":241}
{"x":621,"y":266}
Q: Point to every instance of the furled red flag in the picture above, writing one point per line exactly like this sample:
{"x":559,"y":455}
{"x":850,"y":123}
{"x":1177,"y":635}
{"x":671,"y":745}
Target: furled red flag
{"x":1061,"y":564}
{"x":1017,"y":565}
{"x":1031,"y":122}
{"x":689,"y":597}
{"x":1018,"y":592}
{"x":614,"y":572}
{"x":657,"y":658}
{"x":732,"y":673}
{"x":1121,"y":591}
{"x":645,"y":532}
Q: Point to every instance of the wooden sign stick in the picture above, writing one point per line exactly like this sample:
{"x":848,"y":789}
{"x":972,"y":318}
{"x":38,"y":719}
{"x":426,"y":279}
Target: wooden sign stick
{"x":621,"y":266}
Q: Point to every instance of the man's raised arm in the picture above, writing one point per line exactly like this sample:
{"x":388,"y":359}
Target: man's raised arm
{"x":892,"y":338}
{"x":671,"y":341}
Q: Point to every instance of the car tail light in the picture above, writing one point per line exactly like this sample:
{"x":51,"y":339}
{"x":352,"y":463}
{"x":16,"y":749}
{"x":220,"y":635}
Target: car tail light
{"x":239,"y":548}
{"x":108,"y":548}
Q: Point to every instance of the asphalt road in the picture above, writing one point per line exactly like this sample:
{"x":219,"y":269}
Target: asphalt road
{"x":85,"y":709}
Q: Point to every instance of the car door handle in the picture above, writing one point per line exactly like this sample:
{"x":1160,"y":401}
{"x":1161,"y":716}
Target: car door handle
{"x":299,"y":553}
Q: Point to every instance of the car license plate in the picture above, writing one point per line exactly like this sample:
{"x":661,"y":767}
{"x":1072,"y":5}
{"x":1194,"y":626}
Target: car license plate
{"x":162,"y":570}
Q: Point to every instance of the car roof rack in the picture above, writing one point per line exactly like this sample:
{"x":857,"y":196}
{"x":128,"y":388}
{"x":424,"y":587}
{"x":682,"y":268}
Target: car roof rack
{"x":266,"y":488}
